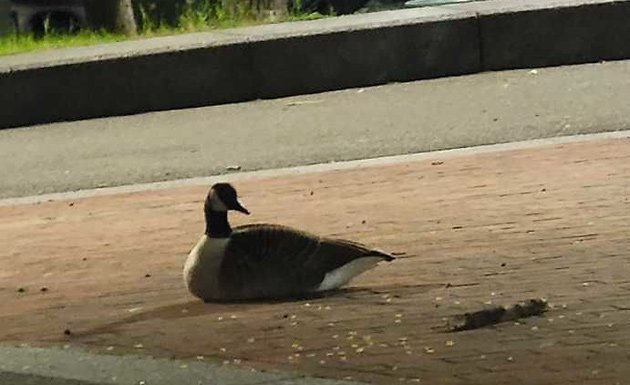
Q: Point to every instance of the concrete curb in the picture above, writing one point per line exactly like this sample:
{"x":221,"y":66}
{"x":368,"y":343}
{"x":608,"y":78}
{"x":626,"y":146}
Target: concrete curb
{"x":306,"y":57}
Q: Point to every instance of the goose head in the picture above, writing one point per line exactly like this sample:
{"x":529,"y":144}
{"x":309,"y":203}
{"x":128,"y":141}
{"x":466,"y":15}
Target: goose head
{"x":222,"y":197}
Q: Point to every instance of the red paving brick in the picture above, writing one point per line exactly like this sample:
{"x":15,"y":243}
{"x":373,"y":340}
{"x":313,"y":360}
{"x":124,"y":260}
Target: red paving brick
{"x":501,"y":227}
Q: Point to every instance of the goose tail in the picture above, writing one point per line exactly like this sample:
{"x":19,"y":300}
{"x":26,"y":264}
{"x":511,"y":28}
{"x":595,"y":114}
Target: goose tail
{"x":342,"y":275}
{"x":385,"y":256}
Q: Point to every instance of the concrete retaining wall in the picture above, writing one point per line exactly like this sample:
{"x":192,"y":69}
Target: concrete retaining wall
{"x":304,"y":57}
{"x":522,"y":34}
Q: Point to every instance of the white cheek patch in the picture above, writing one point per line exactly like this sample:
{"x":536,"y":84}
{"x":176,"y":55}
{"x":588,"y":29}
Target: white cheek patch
{"x":216,"y":203}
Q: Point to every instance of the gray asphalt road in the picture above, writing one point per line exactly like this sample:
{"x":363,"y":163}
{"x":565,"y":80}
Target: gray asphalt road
{"x":74,"y":366}
{"x":351,"y":124}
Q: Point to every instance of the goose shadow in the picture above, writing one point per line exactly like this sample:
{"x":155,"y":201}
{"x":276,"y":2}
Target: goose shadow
{"x":168,"y":312}
{"x":194,"y":308}
{"x":396,"y":290}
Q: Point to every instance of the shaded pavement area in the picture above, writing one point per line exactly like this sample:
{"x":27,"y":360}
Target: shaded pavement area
{"x":104,"y":273}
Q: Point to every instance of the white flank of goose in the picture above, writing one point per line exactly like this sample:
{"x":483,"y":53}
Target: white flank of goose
{"x":265,"y":260}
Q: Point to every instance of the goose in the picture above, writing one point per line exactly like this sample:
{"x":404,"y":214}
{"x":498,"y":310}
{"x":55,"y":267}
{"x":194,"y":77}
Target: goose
{"x":260,"y":261}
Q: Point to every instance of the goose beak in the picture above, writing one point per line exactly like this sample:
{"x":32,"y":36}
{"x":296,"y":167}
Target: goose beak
{"x":238,"y":207}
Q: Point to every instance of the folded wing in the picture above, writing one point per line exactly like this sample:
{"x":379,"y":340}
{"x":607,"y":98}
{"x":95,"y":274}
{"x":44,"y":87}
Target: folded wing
{"x":275,"y":261}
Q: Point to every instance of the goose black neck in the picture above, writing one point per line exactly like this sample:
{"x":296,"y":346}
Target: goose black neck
{"x":217,"y":225}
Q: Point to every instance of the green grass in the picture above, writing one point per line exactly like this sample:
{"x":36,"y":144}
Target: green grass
{"x":204,"y":15}
{"x":13,"y":43}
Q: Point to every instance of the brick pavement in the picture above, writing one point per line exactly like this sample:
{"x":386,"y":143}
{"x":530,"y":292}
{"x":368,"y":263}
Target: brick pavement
{"x":489,"y":228}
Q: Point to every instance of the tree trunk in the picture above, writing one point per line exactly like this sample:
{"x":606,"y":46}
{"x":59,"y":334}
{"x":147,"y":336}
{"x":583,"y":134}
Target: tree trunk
{"x":114,"y":16}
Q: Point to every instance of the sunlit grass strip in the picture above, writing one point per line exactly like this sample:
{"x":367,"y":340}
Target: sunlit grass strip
{"x":13,"y":43}
{"x":196,"y":17}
